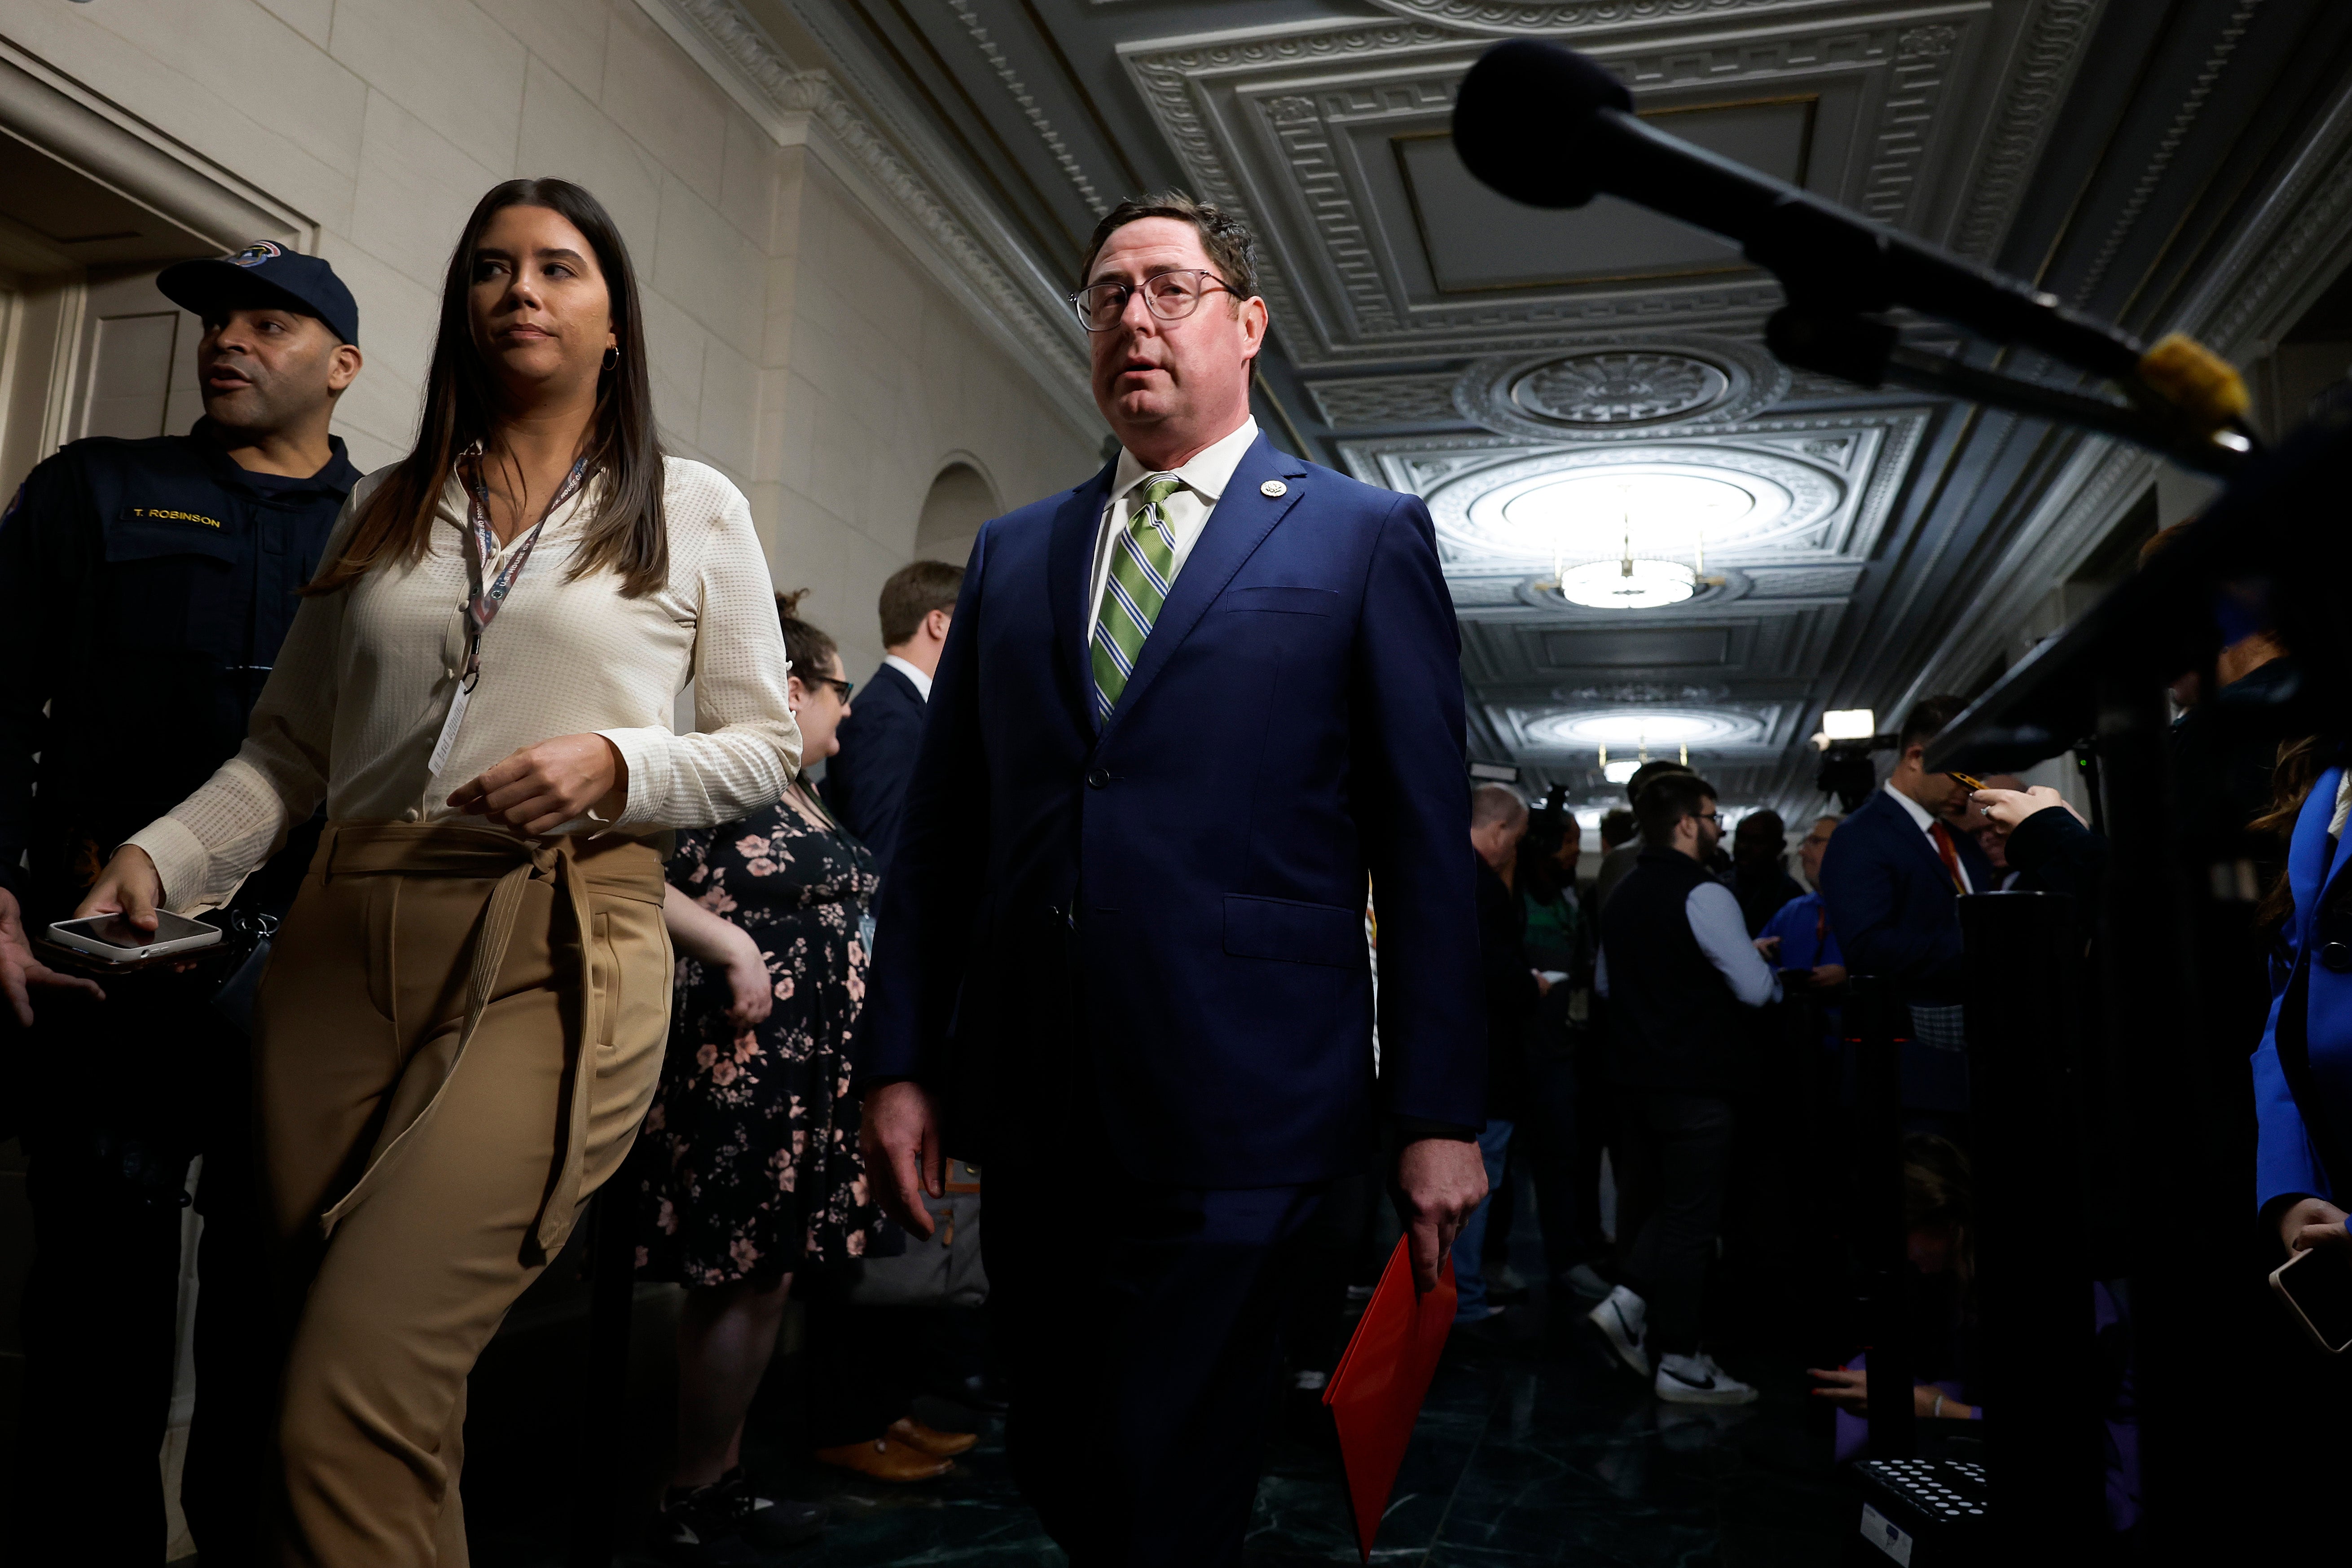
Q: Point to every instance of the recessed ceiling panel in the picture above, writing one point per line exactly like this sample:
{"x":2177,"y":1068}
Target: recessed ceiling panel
{"x":1476,"y":241}
{"x":1333,"y":141}
{"x":1636,"y":648}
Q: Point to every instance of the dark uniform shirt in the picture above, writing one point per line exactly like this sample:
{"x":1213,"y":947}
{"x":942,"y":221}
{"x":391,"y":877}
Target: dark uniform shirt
{"x":144,"y":589}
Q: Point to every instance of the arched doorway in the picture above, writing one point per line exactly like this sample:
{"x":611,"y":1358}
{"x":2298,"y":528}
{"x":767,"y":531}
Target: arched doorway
{"x":960,"y":499}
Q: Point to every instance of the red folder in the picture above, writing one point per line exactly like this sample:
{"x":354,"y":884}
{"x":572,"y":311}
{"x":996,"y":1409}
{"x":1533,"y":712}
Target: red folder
{"x":1376,"y":1393}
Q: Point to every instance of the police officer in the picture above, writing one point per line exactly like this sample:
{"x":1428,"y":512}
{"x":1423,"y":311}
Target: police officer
{"x":144,"y":589}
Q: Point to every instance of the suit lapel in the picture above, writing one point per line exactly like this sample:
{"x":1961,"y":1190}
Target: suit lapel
{"x":1237,"y":525}
{"x":1920,"y":837}
{"x":1069,"y":583}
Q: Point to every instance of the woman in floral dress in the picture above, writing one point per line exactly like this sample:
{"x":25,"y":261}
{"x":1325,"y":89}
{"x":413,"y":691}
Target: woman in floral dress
{"x":753,"y":1165}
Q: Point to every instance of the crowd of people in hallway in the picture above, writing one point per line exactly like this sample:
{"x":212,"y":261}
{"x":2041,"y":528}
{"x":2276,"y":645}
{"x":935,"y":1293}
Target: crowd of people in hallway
{"x":412,"y":742}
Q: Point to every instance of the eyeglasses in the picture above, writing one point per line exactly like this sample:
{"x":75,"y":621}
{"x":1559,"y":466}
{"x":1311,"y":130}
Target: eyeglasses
{"x":843,"y":687}
{"x":1706,"y":817}
{"x":1171,"y":296}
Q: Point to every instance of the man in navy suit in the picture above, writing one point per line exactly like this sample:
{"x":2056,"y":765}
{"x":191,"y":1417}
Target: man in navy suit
{"x":866,"y":781}
{"x":1188,"y":711}
{"x":1893,"y":878}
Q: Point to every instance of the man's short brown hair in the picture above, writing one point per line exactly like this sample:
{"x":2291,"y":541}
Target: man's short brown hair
{"x":913,"y":592}
{"x":1927,"y":717}
{"x":1231,"y":248}
{"x":1665,"y":801}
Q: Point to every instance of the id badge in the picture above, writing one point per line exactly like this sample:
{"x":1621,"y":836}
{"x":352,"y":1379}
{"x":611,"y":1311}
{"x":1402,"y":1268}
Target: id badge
{"x":449,"y":729}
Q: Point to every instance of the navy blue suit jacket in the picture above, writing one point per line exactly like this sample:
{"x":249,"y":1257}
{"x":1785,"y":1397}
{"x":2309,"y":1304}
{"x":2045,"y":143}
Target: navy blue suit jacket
{"x":1153,"y":931}
{"x":866,"y":781}
{"x":1892,"y":903}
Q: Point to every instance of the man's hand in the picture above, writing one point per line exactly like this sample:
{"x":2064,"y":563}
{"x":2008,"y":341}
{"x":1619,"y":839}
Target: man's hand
{"x":2314,"y":1222}
{"x":1828,"y":976}
{"x":903,"y":1158}
{"x":20,"y":970}
{"x":1441,"y":1181}
{"x":542,"y":787}
{"x":1768,"y":947}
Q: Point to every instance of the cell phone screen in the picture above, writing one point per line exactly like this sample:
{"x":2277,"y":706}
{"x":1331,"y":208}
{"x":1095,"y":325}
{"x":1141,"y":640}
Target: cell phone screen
{"x":116,"y":932}
{"x":2319,"y":1282}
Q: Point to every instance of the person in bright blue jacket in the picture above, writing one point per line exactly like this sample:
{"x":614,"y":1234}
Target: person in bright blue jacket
{"x":2303,"y":1069}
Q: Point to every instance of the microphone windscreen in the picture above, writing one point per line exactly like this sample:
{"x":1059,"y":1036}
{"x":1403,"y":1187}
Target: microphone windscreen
{"x":1519,"y":115}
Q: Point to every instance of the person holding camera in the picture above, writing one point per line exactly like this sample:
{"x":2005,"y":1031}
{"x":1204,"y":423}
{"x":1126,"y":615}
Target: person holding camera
{"x":145,"y":586}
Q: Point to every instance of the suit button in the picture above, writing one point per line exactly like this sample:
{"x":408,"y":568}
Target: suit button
{"x":2336,"y":957}
{"x":1097,"y":778}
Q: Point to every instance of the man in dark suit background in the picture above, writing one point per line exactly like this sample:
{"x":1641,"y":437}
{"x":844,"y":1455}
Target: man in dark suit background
{"x":866,"y":781}
{"x":1185,"y":712}
{"x":1893,"y":878}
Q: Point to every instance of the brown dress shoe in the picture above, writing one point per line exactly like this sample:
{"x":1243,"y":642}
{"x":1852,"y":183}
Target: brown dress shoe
{"x":885,"y":1459}
{"x":931,"y":1440}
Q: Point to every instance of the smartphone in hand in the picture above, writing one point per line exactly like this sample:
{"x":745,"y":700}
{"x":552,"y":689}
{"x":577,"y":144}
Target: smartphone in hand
{"x":2316,"y":1285}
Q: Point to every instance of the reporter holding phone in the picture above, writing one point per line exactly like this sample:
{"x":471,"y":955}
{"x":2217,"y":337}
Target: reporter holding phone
{"x":145,"y":586}
{"x":464,"y":1018}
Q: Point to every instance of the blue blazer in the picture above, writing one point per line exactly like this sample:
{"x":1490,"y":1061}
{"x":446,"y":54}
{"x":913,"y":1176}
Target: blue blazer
{"x":866,"y":781}
{"x":2287,"y":1158}
{"x":1892,"y":903}
{"x":1153,"y":931}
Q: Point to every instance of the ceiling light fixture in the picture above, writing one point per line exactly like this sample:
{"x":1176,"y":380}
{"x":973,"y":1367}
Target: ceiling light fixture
{"x":1631,"y":583}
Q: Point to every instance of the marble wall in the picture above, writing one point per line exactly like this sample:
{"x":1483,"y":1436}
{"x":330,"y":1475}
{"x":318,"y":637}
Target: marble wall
{"x":796,"y":346}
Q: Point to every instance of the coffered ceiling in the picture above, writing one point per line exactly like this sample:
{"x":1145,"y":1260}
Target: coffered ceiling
{"x":1589,"y":389}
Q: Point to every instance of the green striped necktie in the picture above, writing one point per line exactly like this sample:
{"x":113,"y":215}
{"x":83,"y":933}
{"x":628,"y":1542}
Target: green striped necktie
{"x":1142,"y":564}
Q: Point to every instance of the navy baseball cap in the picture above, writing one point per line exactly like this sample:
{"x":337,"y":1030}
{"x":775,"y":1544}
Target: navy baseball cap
{"x":265,"y":275}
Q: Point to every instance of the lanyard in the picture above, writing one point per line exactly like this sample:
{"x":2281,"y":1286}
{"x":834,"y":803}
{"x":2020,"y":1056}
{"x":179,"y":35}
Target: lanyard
{"x":483,"y":601}
{"x":482,"y":541}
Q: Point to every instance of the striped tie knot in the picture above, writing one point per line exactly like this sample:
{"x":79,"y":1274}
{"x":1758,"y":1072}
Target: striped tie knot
{"x":1142,"y":564}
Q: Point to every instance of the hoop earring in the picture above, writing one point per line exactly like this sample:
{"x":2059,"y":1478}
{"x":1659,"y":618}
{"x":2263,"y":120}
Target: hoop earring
{"x":611,"y":358}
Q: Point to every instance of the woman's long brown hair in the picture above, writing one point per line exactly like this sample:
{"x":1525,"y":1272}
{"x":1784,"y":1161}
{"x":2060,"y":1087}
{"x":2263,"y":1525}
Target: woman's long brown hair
{"x":624,"y":451}
{"x":2300,"y":764}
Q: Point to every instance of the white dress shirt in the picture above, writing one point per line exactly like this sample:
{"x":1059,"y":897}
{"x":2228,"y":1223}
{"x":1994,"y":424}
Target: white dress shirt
{"x":1187,"y":511}
{"x":1926,"y":820}
{"x":367,"y":675}
{"x":912,"y":671}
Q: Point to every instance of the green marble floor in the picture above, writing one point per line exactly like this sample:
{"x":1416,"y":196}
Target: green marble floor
{"x":1532,"y":1449}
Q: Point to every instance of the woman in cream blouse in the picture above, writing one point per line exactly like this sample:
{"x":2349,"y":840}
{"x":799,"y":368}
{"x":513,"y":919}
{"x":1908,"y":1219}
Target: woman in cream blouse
{"x":463,"y":1019}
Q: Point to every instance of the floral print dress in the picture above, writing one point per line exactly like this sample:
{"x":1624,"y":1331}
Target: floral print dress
{"x":754,"y":1169}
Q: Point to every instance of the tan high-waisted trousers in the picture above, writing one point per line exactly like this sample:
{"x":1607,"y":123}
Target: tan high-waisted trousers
{"x":458,"y":1035}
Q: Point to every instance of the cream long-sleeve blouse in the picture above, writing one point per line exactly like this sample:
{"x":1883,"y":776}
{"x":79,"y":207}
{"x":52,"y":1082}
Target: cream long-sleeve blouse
{"x":365,"y":677}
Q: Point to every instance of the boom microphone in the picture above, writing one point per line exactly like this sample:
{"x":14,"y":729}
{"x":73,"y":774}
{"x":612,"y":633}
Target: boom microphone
{"x":1551,"y":128}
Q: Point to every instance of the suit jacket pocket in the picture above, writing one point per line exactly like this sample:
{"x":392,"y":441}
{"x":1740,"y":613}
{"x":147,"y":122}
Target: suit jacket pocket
{"x":1293,"y":932}
{"x":1285,"y":600}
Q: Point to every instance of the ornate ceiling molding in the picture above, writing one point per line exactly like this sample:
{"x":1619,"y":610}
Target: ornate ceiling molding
{"x":1369,"y":402}
{"x":993,"y":53}
{"x":2039,"y":76}
{"x":2284,"y":252}
{"x":1292,"y":127}
{"x":911,"y":188}
{"x":1578,"y":16}
{"x":1622,"y":392}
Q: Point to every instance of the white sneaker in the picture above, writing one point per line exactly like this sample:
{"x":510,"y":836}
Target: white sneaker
{"x":1619,"y":1319}
{"x":1696,"y":1380}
